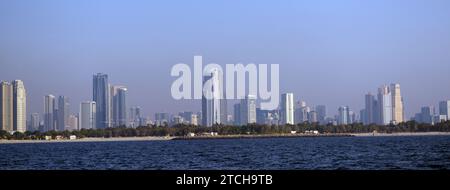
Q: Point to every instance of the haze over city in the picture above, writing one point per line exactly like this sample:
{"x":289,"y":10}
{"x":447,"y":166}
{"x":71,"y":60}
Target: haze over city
{"x":329,"y":53}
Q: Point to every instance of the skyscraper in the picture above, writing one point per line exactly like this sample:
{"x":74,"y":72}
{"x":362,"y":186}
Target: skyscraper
{"x":237,"y":114}
{"x":135,"y":116}
{"x":385,"y":105}
{"x":343,"y":115}
{"x":301,"y":112}
{"x":426,"y":114}
{"x":213,"y":102}
{"x":6,"y":106}
{"x":162,"y":119}
{"x":444,"y":109}
{"x":88,"y":115}
{"x":287,"y":108}
{"x":100,"y":95}
{"x":34,"y":122}
{"x":397,"y":104}
{"x":248,"y":110}
{"x":312,"y":117}
{"x":370,"y":111}
{"x":19,"y":106}
{"x":72,"y":123}
{"x":321,"y":113}
{"x":118,"y":106}
{"x":49,"y":110}
{"x":63,"y":113}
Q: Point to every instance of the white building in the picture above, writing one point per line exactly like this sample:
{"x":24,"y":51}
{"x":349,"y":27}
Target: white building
{"x":248,"y":110}
{"x":444,"y":110}
{"x":72,"y":123}
{"x":88,"y":115}
{"x":385,"y":105}
{"x":287,"y":108}
{"x":19,"y":106}
{"x":213,"y":99}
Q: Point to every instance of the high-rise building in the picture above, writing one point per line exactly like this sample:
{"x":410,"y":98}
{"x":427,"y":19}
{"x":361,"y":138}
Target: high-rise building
{"x":72,"y":123}
{"x":385,"y":105}
{"x":118,"y":106}
{"x":370,"y":111}
{"x":63,"y":113}
{"x":362,"y":116}
{"x":88,"y":115}
{"x":397,"y":104}
{"x":6,"y":106}
{"x":19,"y":106}
{"x":343,"y":115}
{"x":34,"y":122}
{"x":101,"y":97}
{"x":213,"y":102}
{"x":49,"y":113}
{"x":261,"y":116}
{"x":351,"y":116}
{"x":301,"y":112}
{"x":426,"y":114}
{"x":162,"y":119}
{"x":237,"y":114}
{"x":321,"y":113}
{"x":444,"y":109}
{"x":312,"y":117}
{"x":135,"y":117}
{"x":194,"y":119}
{"x":248,"y":110}
{"x":287,"y":108}
{"x":187,"y":116}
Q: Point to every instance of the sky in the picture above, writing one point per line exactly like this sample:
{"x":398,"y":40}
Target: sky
{"x":329,"y":52}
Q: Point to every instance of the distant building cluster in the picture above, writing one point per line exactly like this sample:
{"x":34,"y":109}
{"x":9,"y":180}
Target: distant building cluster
{"x":108,"y":108}
{"x":386,"y":108}
{"x":429,"y":115}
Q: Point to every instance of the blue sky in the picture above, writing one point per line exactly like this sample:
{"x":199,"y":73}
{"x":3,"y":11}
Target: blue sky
{"x":330,"y":52}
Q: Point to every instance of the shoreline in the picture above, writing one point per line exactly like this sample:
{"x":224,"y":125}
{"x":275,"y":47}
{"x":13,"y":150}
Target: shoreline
{"x":153,"y":138}
{"x":401,"y":134}
{"x":90,"y":139}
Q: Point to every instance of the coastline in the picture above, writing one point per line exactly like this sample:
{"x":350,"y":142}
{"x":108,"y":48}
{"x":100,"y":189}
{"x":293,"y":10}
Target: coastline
{"x":152,"y":138}
{"x":400,"y":134}
{"x":114,"y":139}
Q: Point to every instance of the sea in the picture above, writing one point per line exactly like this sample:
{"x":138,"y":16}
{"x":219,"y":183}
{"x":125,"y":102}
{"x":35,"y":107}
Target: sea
{"x":302,"y":153}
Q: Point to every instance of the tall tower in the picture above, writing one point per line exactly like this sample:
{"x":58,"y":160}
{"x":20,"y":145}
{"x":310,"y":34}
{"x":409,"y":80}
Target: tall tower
{"x":370,"y":110}
{"x":19,"y":106}
{"x":444,"y":109}
{"x":344,"y":115}
{"x":118,"y":106}
{"x":397,"y":104}
{"x":49,"y":110}
{"x":63,"y":113}
{"x":100,"y":95}
{"x":248,"y":110}
{"x":287,"y":108}
{"x":88,"y":115}
{"x":6,"y":106}
{"x":212,"y":99}
{"x":385,"y":105}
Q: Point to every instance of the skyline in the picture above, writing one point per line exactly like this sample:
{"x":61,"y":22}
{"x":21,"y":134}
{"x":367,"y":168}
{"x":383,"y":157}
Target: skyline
{"x":385,"y":109}
{"x":344,"y":47}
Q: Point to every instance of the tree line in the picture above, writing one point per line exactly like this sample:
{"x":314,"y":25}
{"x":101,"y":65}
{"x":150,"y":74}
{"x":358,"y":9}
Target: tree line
{"x":251,"y":129}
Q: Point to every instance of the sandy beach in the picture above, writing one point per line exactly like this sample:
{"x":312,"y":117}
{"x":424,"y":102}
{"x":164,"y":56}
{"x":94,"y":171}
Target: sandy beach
{"x":399,"y":134}
{"x":226,"y":137}
{"x":89,"y":140}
